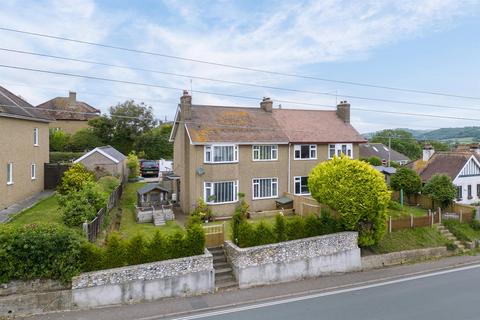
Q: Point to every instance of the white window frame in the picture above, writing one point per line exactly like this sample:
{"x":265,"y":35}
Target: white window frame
{"x":10,"y":173}
{"x":209,"y":153}
{"x":35,"y":137}
{"x":311,"y":150}
{"x":299,"y":179}
{"x":273,"y":182}
{"x":211,"y":185}
{"x":338,"y":149}
{"x":256,"y":151}
{"x":33,"y":171}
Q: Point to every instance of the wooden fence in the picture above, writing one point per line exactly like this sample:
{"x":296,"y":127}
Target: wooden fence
{"x":53,"y":173}
{"x":305,"y":205}
{"x":215,"y":235}
{"x":93,"y":228}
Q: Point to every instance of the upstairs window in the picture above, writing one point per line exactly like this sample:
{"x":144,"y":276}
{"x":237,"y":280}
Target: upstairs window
{"x":339,"y":149}
{"x":10,"y":173}
{"x":221,"y":153}
{"x":265,"y":152}
{"x":35,"y":136}
{"x":305,"y":151}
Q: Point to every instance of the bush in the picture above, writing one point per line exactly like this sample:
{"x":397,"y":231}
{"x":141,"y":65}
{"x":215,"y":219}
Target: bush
{"x":407,"y":180}
{"x":75,"y":178}
{"x":92,"y":257}
{"x":115,"y":252}
{"x":394,"y":205}
{"x":239,"y":216}
{"x":475,"y":225}
{"x":194,"y":239}
{"x":357,"y":192}
{"x":39,"y":251}
{"x":136,"y":251}
{"x":108,"y":183}
{"x":280,"y":228}
{"x":82,"y":205}
{"x":202,"y":210}
{"x":440,"y":188}
{"x":295,"y":228}
{"x":133,"y":165}
{"x":156,"y":248}
{"x":83,"y":139}
{"x":262,"y":234}
{"x":59,"y":140}
{"x":64,"y":157}
{"x":374,"y":161}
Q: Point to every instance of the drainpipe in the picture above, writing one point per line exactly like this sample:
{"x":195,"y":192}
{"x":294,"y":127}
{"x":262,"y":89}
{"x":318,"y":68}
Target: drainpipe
{"x":288,"y":188}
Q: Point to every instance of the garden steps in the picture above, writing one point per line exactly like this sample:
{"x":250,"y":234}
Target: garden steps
{"x":158,"y":218}
{"x":224,"y":278}
{"x":447,"y":234}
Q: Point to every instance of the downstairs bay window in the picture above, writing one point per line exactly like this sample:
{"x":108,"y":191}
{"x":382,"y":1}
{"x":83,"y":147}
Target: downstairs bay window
{"x":221,"y":192}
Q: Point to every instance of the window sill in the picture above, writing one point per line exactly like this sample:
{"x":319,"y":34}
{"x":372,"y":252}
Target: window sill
{"x":217,"y":203}
{"x":265,"y":198}
{"x":9,"y":183}
{"x":36,"y":145}
{"x":306,"y":159}
{"x":264,"y":160}
{"x":33,"y":179}
{"x":302,"y":194}
{"x":229,"y":162}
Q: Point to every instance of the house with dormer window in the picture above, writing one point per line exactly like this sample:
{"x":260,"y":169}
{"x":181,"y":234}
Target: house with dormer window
{"x":262,"y":152}
{"x":463,"y":168}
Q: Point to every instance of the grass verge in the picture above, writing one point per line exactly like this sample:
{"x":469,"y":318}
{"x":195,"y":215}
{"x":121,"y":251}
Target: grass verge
{"x":46,"y":210}
{"x":463,"y":231}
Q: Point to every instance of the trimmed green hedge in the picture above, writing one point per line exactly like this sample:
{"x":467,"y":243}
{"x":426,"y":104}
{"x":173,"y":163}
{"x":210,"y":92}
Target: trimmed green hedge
{"x":48,"y":251}
{"x":249,"y":235}
{"x":39,"y":251}
{"x":64,"y":157}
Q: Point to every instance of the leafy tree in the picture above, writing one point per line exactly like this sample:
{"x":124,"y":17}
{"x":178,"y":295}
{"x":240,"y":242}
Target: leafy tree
{"x":84,"y":139}
{"x":155,"y":143}
{"x":439,"y":146}
{"x":406,"y":179}
{"x":440,"y":188}
{"x":129,"y":121}
{"x":102,"y":127}
{"x":357,"y":192}
{"x":133,"y":165}
{"x":374,"y":161}
{"x":401,"y":141}
{"x":59,"y":140}
{"x":75,"y":178}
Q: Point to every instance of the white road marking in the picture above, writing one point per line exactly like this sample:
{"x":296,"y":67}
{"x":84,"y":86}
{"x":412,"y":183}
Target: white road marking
{"x":313,"y":296}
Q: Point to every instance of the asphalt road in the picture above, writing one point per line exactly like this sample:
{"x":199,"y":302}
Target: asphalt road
{"x":453,"y":294}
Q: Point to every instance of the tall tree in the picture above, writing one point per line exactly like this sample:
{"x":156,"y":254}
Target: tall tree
{"x":155,"y":143}
{"x":401,"y":141}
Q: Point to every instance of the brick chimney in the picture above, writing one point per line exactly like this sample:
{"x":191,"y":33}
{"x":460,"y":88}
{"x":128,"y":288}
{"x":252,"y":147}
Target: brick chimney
{"x":266,"y":104}
{"x":186,"y":106}
{"x":343,"y":111}
{"x":72,"y":98}
{"x":428,"y":152}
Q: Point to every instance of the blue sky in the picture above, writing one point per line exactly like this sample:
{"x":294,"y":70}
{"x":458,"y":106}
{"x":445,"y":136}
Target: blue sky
{"x":428,"y":45}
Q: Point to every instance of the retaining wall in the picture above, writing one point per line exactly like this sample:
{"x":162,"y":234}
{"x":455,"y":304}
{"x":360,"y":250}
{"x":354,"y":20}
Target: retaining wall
{"x":178,"y":277}
{"x":294,"y":260}
{"x":401,"y":257}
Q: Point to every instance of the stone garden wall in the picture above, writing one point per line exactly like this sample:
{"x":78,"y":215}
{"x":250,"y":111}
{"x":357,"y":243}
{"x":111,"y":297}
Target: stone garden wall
{"x":178,"y":277}
{"x":293,"y":260}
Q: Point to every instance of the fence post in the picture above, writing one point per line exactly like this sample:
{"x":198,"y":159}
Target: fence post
{"x":390,"y":224}
{"x":432,"y":217}
{"x":85,"y":228}
{"x":461,"y":215}
{"x":439,"y":215}
{"x":411,"y":221}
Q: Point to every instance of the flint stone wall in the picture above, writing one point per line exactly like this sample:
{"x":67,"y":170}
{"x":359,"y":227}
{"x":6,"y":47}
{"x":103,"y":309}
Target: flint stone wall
{"x":178,"y":277}
{"x":294,"y":260}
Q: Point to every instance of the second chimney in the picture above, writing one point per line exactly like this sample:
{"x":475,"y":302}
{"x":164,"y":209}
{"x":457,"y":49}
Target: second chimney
{"x":186,"y":105}
{"x":72,"y":98}
{"x":428,"y":152}
{"x":266,"y":105}
{"x":343,"y":111}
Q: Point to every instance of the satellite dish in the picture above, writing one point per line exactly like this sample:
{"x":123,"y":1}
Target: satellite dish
{"x":200,"y":171}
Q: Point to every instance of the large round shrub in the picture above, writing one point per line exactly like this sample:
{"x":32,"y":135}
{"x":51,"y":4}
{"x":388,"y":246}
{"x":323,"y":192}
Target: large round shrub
{"x":357,"y":192}
{"x":441,"y":189}
{"x":75,"y":178}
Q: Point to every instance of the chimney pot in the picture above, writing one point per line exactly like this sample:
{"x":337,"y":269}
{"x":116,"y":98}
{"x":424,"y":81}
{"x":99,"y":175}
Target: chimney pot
{"x":186,"y":105}
{"x":266,"y":104}
{"x":343,"y":111}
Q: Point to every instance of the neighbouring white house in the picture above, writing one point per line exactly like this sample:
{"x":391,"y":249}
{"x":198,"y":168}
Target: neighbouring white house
{"x":463,"y":167}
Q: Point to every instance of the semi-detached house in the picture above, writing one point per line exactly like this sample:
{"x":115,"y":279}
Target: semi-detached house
{"x":261,"y":152}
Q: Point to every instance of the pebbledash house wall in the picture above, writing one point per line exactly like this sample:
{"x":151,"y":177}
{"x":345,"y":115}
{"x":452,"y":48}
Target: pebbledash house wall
{"x":294,"y":260}
{"x":245,"y":170}
{"x":145,"y":282}
{"x":16,"y":140}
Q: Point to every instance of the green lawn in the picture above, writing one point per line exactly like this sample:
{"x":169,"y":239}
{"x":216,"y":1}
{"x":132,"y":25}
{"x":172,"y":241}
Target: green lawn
{"x":463,"y":231}
{"x":409,"y":239}
{"x":44,"y":211}
{"x":128,"y":225}
{"x":406,"y":211}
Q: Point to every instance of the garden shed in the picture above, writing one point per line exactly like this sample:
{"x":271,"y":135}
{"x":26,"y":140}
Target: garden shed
{"x":152,"y":194}
{"x":105,"y":160}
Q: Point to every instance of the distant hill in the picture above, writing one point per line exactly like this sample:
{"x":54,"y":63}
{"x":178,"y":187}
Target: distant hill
{"x":462,"y":135}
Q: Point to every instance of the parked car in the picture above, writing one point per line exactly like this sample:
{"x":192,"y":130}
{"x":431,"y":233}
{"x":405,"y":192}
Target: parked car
{"x":148,"y":168}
